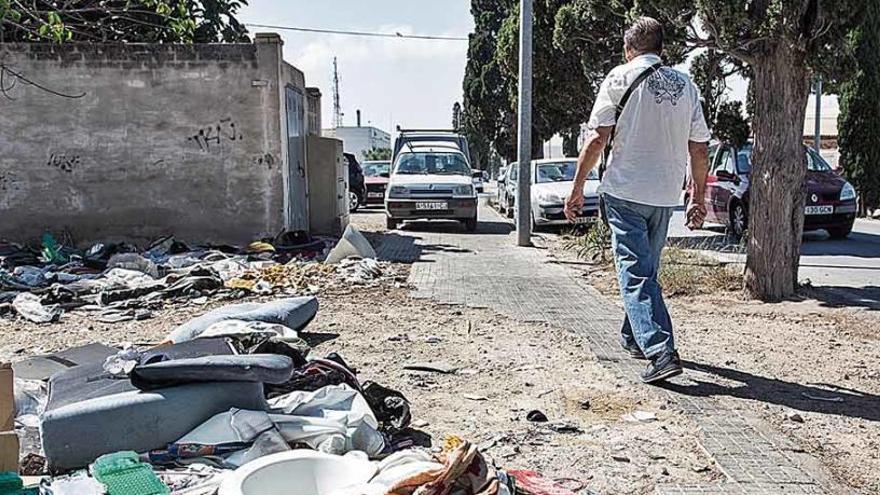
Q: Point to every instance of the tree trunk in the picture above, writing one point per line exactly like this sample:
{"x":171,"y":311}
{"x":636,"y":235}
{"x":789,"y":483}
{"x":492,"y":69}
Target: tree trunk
{"x":776,"y":218}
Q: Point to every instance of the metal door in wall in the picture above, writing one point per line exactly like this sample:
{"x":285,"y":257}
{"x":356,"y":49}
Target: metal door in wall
{"x":298,"y":203}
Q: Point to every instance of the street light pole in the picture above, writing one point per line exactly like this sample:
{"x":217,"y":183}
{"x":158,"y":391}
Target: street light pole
{"x":817,"y":144}
{"x":524,"y":185}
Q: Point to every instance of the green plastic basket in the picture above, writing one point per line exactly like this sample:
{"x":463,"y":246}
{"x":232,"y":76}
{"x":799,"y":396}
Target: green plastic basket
{"x":123,"y":474}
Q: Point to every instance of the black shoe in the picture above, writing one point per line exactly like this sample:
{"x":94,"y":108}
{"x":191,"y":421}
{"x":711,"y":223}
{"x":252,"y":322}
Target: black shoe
{"x":662,"y":366}
{"x":633,"y":351}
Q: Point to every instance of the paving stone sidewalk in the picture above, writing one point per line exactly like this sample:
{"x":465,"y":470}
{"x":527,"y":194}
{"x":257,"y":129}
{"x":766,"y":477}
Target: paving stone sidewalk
{"x":486,"y":270}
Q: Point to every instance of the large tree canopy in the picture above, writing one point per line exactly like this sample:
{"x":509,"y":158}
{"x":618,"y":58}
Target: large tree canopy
{"x":576,"y":42}
{"x":487,"y":117}
{"x":859,"y":121}
{"x":188,"y":21}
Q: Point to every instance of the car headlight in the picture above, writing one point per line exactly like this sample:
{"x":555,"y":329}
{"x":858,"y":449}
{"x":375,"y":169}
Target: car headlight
{"x":550,"y":200}
{"x":467,"y":190}
{"x":397,"y":192}
{"x":848,"y":192}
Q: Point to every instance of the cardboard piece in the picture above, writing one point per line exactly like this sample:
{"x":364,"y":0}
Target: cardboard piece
{"x":8,"y":439}
{"x":7,"y":398}
{"x":9,"y":451}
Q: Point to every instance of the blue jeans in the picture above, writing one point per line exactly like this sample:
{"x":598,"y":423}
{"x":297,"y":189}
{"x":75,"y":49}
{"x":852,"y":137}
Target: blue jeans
{"x":638,"y":236}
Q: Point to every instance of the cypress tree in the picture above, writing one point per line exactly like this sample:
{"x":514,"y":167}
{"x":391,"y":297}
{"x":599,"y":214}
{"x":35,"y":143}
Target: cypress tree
{"x":859,"y":120}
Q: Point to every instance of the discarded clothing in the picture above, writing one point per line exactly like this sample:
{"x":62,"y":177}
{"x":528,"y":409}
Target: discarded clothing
{"x":29,"y":307}
{"x":294,"y":313}
{"x":135,"y":262}
{"x":390,"y":406}
{"x":359,"y":271}
{"x":315,"y":375}
{"x":241,"y":328}
{"x":338,"y":403}
{"x":237,"y":434}
{"x":78,"y":483}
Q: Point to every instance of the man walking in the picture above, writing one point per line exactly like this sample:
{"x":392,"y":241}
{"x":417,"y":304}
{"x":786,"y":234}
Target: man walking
{"x":652,"y":116}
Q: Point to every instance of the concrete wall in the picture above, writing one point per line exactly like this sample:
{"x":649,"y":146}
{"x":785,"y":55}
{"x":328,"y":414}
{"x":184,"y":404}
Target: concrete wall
{"x":166,"y":139}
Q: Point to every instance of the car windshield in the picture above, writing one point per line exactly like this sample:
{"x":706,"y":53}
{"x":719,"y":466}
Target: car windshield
{"x":432,"y":163}
{"x":559,"y":172}
{"x":376,"y":169}
{"x":744,"y":159}
{"x":815,"y":162}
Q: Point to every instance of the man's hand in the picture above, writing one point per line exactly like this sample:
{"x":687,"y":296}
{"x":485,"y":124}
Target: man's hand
{"x":574,"y":205}
{"x":695,"y":215}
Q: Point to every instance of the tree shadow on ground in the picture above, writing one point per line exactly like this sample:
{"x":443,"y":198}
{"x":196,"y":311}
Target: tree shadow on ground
{"x":807,"y":398}
{"x":397,"y":248}
{"x":845,"y":297}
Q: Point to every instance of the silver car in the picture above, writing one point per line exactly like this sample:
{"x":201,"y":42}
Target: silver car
{"x":552,"y":180}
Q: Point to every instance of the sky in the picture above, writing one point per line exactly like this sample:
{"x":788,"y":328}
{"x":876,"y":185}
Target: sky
{"x":411,"y":83}
{"x":405,"y":82}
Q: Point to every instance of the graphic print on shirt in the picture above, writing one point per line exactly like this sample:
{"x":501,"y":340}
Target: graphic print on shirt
{"x":666,"y":84}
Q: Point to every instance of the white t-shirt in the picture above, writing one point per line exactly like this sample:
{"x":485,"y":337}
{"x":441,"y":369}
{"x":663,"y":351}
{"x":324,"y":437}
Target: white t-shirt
{"x":649,"y":159}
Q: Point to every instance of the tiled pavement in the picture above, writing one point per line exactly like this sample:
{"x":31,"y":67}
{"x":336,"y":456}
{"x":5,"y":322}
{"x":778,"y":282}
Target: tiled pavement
{"x":486,"y":270}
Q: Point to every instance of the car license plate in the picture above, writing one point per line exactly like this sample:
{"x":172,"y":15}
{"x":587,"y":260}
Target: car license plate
{"x":582,"y":220}
{"x":375,"y":195}
{"x":819,"y":210}
{"x":432,"y":206}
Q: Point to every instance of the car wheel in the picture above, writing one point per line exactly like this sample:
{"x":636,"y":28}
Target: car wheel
{"x":838,"y":233}
{"x":739,"y":220}
{"x":391,"y":223}
{"x":353,"y":201}
{"x":470,"y":224}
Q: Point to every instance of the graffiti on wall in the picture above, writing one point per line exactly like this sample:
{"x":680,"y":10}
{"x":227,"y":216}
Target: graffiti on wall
{"x":215,"y":135}
{"x":266,"y":160}
{"x":63,"y":162}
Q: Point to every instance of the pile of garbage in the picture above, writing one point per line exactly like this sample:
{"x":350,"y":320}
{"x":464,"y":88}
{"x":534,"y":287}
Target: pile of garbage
{"x":119,"y":282}
{"x":232,"y":403}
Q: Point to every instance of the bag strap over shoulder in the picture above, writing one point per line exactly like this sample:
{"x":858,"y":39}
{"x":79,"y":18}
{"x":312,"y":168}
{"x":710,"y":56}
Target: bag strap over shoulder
{"x":620,"y":108}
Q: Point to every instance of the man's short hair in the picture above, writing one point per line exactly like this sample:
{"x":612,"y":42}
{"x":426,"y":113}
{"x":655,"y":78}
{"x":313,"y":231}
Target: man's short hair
{"x":644,"y":36}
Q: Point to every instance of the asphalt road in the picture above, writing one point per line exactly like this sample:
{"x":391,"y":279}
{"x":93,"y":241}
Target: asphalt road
{"x":844,"y":272}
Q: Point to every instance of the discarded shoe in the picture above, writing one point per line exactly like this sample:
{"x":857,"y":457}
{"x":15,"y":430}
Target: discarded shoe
{"x":662,"y":366}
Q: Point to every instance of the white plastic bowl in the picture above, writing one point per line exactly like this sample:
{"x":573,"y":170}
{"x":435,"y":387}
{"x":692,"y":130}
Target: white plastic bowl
{"x":298,"y":472}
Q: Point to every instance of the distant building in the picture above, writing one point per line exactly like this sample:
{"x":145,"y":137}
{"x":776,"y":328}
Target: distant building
{"x":359,"y":140}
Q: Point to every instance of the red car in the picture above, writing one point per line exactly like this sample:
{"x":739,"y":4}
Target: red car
{"x":830,"y":202}
{"x":376,"y":174}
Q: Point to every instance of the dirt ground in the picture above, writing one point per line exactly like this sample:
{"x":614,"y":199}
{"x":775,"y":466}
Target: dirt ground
{"x":506,"y":369}
{"x":780,"y":360}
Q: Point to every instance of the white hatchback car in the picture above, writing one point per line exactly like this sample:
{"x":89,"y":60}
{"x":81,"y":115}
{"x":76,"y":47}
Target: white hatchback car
{"x":552,"y":180}
{"x":428,"y":182}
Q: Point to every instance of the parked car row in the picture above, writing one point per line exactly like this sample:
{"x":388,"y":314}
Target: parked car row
{"x":551,"y":180}
{"x":430,"y":177}
{"x":830,"y":199}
